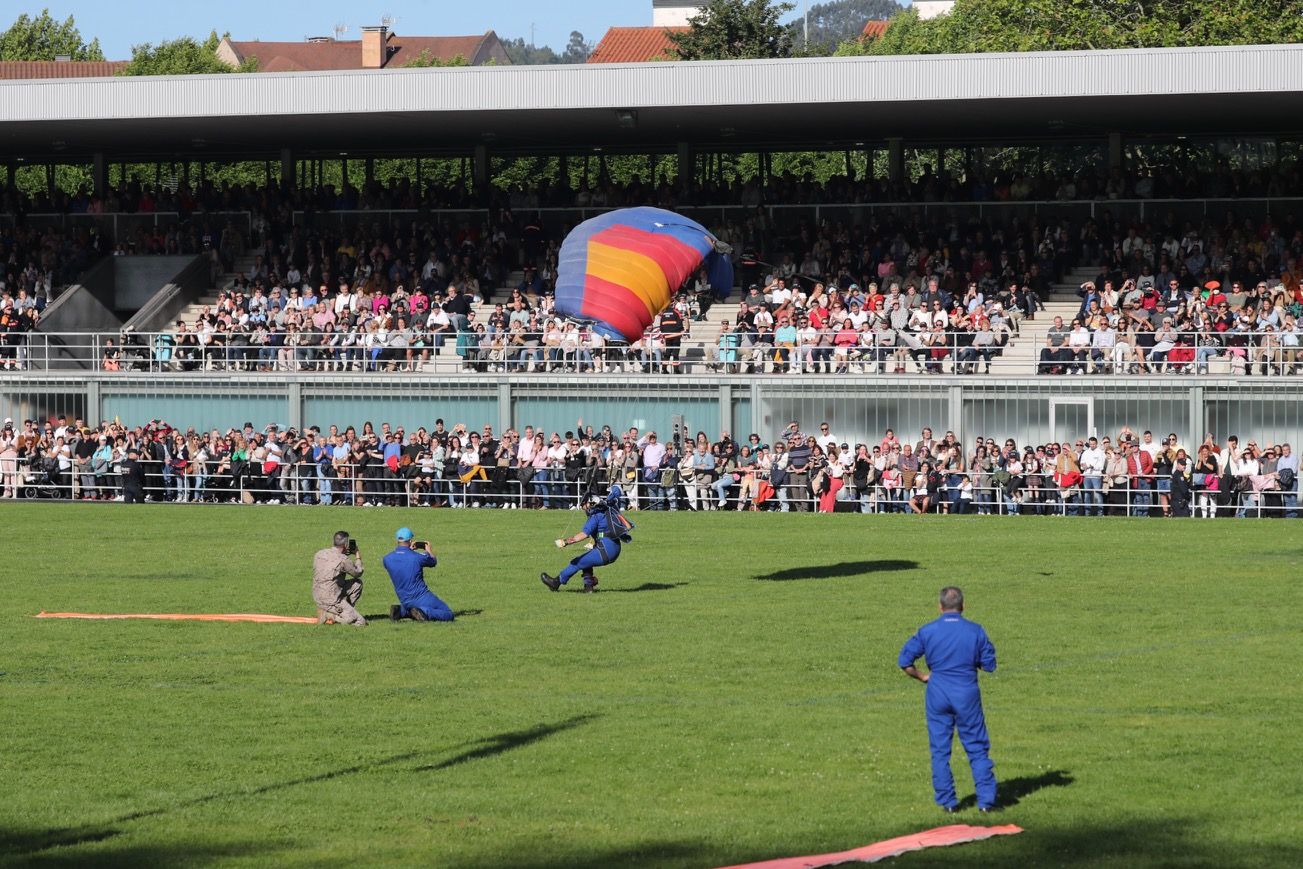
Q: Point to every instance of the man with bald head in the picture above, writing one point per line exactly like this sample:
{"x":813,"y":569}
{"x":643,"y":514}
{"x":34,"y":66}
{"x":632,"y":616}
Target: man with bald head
{"x":955,"y":649}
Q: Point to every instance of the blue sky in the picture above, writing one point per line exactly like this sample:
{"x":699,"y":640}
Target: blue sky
{"x":119,"y":24}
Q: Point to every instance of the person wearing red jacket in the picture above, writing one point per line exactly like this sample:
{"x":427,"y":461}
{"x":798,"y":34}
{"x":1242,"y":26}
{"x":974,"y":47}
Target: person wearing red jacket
{"x":1140,"y":470}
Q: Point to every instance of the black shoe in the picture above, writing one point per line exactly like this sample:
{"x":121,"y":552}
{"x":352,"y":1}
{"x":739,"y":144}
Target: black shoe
{"x":417,"y":615}
{"x":551,"y":582}
{"x":395,"y":612}
{"x":990,"y":810}
{"x":590,"y":586}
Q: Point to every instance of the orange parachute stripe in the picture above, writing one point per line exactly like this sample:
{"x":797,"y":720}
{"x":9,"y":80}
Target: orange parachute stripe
{"x":185,"y":617}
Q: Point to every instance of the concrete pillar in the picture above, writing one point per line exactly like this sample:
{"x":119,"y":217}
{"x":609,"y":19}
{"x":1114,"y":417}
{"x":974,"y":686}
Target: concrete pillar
{"x":369,"y":169}
{"x":294,"y":405}
{"x":726,"y":413}
{"x":941,"y":163}
{"x":481,"y":168}
{"x":896,"y":160}
{"x":100,"y":174}
{"x":1198,"y":425}
{"x":504,"y":406}
{"x":287,"y":167}
{"x":11,"y":169}
{"x":686,"y":167}
{"x":1115,"y":150}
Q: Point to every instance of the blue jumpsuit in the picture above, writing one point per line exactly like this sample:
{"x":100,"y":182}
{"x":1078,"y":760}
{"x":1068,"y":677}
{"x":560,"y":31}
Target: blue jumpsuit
{"x":955,"y":649}
{"x":406,"y":569}
{"x":605,"y":549}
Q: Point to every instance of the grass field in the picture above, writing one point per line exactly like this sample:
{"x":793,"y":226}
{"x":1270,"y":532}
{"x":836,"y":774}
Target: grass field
{"x":731,"y":694}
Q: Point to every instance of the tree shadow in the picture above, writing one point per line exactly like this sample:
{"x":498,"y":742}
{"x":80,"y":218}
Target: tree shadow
{"x":131,"y":856}
{"x":12,"y":842}
{"x":841,"y":569}
{"x":504,"y":742}
{"x":647,"y":586}
{"x":1011,"y":792}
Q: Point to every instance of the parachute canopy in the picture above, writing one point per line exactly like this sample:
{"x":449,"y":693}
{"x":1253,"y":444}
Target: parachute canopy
{"x":621,"y":269}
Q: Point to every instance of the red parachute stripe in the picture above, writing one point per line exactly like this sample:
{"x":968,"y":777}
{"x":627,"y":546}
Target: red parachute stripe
{"x":614,"y":304}
{"x":955,"y":834}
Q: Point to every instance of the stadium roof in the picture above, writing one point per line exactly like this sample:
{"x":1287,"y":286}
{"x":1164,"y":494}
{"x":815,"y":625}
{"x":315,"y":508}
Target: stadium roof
{"x":634,"y":44}
{"x":742,"y":105}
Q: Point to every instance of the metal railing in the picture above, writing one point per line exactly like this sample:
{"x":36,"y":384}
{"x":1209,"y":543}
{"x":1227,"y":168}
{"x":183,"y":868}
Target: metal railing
{"x":1247,"y":353}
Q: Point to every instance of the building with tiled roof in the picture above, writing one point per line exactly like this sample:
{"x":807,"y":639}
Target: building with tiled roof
{"x":635,"y":45}
{"x":874,"y":29}
{"x":22,"y":69}
{"x":379,"y":48}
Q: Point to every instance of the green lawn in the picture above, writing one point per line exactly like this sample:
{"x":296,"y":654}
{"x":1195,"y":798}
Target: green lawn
{"x":731,"y":695}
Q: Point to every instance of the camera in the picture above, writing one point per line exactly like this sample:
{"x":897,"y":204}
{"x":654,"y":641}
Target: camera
{"x":420,"y":544}
{"x":352,"y":547}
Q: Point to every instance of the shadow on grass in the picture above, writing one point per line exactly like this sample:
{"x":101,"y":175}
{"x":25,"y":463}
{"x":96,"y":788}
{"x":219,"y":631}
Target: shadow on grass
{"x":26,"y":843}
{"x":384,"y":617}
{"x":135,"y":856}
{"x":1011,"y":792}
{"x":646,"y":854}
{"x":1135,"y":841}
{"x":504,"y":742}
{"x":647,"y":586}
{"x":841,"y":569}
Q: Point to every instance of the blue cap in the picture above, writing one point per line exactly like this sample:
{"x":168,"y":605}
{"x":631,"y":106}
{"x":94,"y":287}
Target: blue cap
{"x":404,"y":533}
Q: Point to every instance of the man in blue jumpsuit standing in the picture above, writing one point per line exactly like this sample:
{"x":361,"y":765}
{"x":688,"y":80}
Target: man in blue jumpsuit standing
{"x":606,"y":528}
{"x":406,"y":566}
{"x":955,"y":649}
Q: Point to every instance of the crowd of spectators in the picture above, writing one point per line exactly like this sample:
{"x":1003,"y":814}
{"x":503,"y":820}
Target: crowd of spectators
{"x":461,"y":467}
{"x":388,"y":293}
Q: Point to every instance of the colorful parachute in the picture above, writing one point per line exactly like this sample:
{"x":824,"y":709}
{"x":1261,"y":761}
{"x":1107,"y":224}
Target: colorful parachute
{"x":619,"y":270}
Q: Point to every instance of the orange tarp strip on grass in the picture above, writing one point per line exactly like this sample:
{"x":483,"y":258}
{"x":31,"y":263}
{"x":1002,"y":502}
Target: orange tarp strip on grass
{"x":184,"y":617}
{"x":955,"y":834}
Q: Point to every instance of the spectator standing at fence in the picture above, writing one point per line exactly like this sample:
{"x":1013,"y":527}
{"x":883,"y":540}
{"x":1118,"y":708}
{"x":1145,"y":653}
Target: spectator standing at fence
{"x":8,"y":461}
{"x":133,"y":477}
{"x":1140,"y":472}
{"x":799,"y":453}
{"x":954,"y":649}
{"x":1287,"y":477}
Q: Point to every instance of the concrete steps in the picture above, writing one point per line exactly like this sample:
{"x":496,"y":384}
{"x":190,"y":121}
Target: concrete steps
{"x":243,"y":265}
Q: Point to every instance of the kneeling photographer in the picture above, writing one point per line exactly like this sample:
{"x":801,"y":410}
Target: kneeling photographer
{"x":337,"y":582}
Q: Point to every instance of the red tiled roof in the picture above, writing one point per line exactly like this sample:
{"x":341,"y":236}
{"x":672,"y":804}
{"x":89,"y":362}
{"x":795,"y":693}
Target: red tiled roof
{"x":18,"y":69}
{"x":293,"y":56}
{"x":635,"y":44}
{"x":874,"y":29}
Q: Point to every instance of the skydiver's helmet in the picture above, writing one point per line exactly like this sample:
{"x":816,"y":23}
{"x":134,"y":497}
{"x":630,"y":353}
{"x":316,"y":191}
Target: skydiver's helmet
{"x":594,"y":502}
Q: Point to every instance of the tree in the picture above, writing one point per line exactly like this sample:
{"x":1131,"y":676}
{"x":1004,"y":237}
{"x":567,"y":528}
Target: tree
{"x":577,"y":50}
{"x":1053,"y":25}
{"x":183,"y":56}
{"x":426,"y":59}
{"x":735,"y":30}
{"x":524,"y":54}
{"x":43,"y":38}
{"x":838,"y":21}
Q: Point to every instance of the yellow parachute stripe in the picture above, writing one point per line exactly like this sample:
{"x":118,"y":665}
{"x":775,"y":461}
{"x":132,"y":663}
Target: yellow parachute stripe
{"x":641,"y":274}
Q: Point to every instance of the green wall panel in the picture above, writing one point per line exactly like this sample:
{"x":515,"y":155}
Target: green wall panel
{"x":562,"y":414}
{"x":203,"y":412}
{"x":410,"y":412}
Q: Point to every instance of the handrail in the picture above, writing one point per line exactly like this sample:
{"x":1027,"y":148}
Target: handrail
{"x":1237,"y":353}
